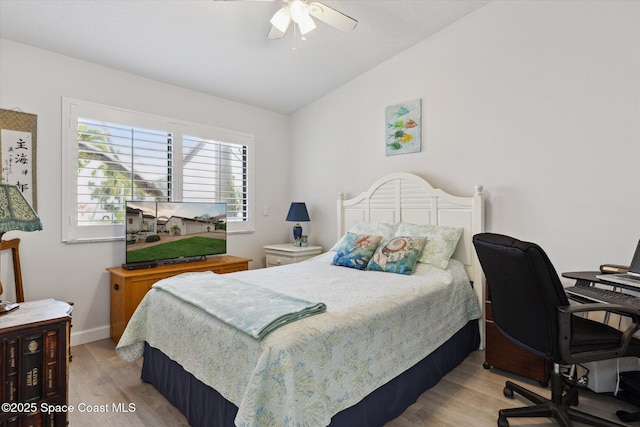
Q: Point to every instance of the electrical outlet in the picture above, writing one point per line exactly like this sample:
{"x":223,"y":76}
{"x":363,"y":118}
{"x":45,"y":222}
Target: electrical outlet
{"x":265,"y":210}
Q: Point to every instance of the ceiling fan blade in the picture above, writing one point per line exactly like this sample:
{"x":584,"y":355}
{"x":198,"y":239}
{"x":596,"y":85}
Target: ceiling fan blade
{"x":280,"y":22}
{"x":275,"y":34}
{"x":332,"y":17}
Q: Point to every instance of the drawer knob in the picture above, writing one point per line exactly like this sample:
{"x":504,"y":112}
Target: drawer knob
{"x":116,"y":287}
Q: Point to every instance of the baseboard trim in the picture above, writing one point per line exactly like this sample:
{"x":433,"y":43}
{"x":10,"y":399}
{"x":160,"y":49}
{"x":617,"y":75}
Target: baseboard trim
{"x":89,"y":335}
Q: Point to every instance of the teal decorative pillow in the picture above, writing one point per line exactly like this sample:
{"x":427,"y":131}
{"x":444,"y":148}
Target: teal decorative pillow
{"x":397,"y":255}
{"x":383,"y":229}
{"x":441,"y":241}
{"x":356,"y":250}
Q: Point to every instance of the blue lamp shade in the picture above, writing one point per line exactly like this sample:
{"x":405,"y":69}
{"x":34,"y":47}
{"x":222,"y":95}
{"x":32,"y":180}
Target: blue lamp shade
{"x":297,"y":212}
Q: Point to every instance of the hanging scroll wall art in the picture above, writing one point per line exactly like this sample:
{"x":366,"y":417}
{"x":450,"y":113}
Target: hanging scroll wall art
{"x":18,"y":135}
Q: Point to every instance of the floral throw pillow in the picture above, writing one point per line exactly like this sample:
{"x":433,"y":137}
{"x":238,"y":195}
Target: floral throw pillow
{"x":356,"y":250}
{"x":397,"y":255}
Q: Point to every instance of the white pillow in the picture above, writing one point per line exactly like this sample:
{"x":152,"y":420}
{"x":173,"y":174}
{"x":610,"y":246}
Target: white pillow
{"x":383,"y":229}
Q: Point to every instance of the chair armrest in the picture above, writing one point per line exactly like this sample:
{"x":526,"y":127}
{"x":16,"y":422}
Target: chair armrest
{"x":564,"y":322}
{"x":624,"y":310}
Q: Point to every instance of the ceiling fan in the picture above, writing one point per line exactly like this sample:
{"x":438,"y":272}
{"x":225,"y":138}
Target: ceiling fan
{"x":300,"y":12}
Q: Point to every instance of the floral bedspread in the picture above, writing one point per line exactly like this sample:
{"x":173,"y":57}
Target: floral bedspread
{"x":376,"y":326}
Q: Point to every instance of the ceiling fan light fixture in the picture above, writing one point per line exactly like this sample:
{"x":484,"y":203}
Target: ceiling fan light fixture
{"x":282,"y":19}
{"x":299,"y":10}
{"x":303,"y":14}
{"x":300,"y":15}
{"x":306,"y":25}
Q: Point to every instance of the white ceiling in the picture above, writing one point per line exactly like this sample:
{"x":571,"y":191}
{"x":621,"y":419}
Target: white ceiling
{"x":221,"y":47}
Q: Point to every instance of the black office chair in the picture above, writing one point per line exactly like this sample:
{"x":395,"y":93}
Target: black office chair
{"x":530,"y":307}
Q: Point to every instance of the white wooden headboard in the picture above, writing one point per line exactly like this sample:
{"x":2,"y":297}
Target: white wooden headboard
{"x":404,"y":197}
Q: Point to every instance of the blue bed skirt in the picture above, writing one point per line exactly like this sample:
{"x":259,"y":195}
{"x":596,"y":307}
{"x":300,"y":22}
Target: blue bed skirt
{"x":203,"y":406}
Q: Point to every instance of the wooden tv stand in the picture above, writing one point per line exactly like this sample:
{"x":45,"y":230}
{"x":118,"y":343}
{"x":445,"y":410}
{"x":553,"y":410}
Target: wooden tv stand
{"x":128,"y":287}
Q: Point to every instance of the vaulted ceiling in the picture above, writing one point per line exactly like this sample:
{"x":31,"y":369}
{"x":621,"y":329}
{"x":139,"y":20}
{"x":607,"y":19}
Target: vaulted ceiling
{"x":221,"y":47}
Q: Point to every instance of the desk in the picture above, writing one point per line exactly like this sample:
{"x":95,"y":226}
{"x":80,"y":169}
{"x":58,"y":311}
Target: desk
{"x":589,"y":278}
{"x":603,"y":374}
{"x":583,"y":278}
{"x":585,"y":290}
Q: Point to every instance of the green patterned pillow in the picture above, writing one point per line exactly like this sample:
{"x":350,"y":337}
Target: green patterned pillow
{"x":397,"y":255}
{"x":356,"y":250}
{"x":441,"y":241}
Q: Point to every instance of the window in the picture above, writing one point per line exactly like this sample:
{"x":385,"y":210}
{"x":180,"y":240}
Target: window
{"x":111,"y":155}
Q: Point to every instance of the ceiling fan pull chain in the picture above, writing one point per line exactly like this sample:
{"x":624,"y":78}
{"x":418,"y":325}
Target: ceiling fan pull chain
{"x":295,"y":39}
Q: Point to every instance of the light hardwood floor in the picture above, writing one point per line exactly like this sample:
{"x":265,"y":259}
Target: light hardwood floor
{"x":468,"y":396}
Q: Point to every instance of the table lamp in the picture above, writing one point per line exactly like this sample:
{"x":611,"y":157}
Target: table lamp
{"x":15,"y":214}
{"x":297,"y":212}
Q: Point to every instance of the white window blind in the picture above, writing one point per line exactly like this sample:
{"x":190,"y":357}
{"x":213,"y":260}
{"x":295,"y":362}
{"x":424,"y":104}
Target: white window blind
{"x":215,"y":170}
{"x":118,"y":163}
{"x":113,"y":155}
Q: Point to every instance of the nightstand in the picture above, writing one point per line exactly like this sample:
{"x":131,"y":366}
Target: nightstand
{"x":288,"y":253}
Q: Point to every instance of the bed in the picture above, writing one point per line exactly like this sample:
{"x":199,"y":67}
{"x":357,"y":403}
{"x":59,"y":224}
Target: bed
{"x":383,"y":339}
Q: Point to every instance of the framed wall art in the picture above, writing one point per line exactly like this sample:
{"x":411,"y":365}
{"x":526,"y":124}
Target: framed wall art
{"x":18,"y":137}
{"x":403,"y":128}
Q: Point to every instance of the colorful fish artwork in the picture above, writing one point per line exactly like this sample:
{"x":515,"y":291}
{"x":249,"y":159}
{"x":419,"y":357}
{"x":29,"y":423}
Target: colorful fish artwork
{"x":402,"y":110}
{"x":403,"y":128}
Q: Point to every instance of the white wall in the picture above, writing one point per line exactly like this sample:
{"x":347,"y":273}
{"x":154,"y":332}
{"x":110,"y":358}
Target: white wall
{"x":34,"y":81}
{"x":537,"y":101}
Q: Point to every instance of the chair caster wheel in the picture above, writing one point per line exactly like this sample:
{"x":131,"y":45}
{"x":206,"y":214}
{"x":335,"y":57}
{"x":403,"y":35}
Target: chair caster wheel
{"x":507,"y":393}
{"x":571,"y":398}
{"x":502,"y":422}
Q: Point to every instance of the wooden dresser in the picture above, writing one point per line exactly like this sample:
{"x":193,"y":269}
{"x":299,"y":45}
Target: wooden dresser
{"x":503,"y":354}
{"x":34,"y":350}
{"x":128,"y":287}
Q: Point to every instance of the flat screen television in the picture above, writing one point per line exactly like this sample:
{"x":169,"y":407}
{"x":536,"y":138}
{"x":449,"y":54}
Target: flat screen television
{"x":171,"y":232}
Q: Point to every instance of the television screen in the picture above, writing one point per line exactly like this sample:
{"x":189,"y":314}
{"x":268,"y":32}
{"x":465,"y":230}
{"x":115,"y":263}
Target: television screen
{"x":167,"y":232}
